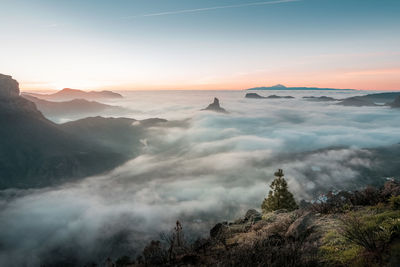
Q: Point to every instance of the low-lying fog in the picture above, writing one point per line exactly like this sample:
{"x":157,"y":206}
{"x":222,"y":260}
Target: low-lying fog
{"x":212,"y":168}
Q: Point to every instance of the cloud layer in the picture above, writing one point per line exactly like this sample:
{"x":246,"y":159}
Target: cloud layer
{"x":209,"y":168}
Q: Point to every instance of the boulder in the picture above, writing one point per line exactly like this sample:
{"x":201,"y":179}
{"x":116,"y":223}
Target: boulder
{"x":218,"y":230}
{"x":280,"y":211}
{"x":300,"y":227}
{"x":252,"y":216}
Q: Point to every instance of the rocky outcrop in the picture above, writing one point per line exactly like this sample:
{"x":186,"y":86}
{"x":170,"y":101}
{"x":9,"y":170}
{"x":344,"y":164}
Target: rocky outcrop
{"x":11,"y":103}
{"x":215,"y":107}
{"x":300,"y":227}
{"x":254,"y":95}
{"x":9,"y":87}
{"x":252,"y":216}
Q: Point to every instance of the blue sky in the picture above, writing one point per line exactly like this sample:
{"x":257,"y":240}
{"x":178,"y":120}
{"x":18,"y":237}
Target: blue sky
{"x":171,"y":44}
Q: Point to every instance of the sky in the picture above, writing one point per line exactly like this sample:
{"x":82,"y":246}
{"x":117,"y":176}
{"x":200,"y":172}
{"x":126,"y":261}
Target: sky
{"x":207,"y":44}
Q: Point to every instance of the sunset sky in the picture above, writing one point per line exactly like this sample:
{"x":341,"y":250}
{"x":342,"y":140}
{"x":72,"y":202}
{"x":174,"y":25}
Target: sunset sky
{"x":207,"y":44}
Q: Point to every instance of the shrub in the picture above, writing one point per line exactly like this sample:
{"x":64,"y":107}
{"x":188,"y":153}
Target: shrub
{"x":373,"y":232}
{"x":274,"y":250}
{"x":395,"y":202}
{"x":154,"y":254}
{"x":333,"y":202}
{"x":367,"y":235}
{"x":123,"y":261}
{"x":337,"y":250}
{"x":368,"y":196}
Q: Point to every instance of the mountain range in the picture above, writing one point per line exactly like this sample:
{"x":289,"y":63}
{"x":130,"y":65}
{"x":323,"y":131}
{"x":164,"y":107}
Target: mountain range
{"x":35,"y":152}
{"x":70,"y":94}
{"x":282,"y":87}
{"x":71,"y":108}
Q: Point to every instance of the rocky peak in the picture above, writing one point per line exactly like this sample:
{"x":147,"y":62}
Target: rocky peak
{"x":9,"y":87}
{"x":215,"y":106}
{"x":11,"y":103}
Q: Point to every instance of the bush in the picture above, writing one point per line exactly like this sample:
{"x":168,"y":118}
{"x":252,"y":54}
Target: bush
{"x":395,"y":202}
{"x":337,"y":250}
{"x":123,"y":261}
{"x":333,"y":202}
{"x":373,"y":232}
{"x":370,"y":236}
{"x":154,"y":254}
{"x":275,"y":250}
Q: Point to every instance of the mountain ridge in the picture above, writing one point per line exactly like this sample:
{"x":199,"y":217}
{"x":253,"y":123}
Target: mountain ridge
{"x":70,"y":94}
{"x":282,"y":87}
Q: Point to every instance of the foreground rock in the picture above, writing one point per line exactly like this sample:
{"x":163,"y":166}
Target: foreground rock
{"x":299,"y":228}
{"x":215,"y":107}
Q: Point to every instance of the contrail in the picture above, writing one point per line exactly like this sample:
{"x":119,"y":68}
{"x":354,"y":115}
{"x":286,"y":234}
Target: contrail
{"x":210,"y":8}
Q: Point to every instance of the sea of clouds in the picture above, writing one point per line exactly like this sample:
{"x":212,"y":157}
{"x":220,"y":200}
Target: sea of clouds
{"x":205,"y":168}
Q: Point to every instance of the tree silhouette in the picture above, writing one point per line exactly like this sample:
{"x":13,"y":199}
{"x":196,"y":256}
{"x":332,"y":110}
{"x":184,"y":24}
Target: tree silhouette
{"x":279,"y":196}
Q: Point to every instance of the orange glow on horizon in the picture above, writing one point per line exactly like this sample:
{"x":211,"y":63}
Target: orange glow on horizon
{"x":368,"y":79}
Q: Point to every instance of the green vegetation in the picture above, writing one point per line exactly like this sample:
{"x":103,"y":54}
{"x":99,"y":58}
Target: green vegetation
{"x":368,"y":232}
{"x":336,"y":249}
{"x":395,"y":202}
{"x":340,"y":228}
{"x":279,"y":196}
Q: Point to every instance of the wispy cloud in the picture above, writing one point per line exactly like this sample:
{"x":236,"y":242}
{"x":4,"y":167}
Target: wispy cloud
{"x":184,"y":11}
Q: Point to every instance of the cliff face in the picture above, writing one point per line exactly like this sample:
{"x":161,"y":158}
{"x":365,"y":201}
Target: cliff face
{"x":11,"y":104}
{"x":36,"y":152}
{"x":9,"y":87}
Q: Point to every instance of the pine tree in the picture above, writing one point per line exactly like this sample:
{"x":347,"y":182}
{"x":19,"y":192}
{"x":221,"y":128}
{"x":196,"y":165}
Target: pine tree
{"x":279,"y":196}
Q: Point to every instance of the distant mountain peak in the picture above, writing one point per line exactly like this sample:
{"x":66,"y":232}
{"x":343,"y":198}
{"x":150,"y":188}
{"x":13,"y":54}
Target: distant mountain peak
{"x":69,"y":94}
{"x":282,"y":87}
{"x":214,"y":106}
{"x":70,"y":90}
